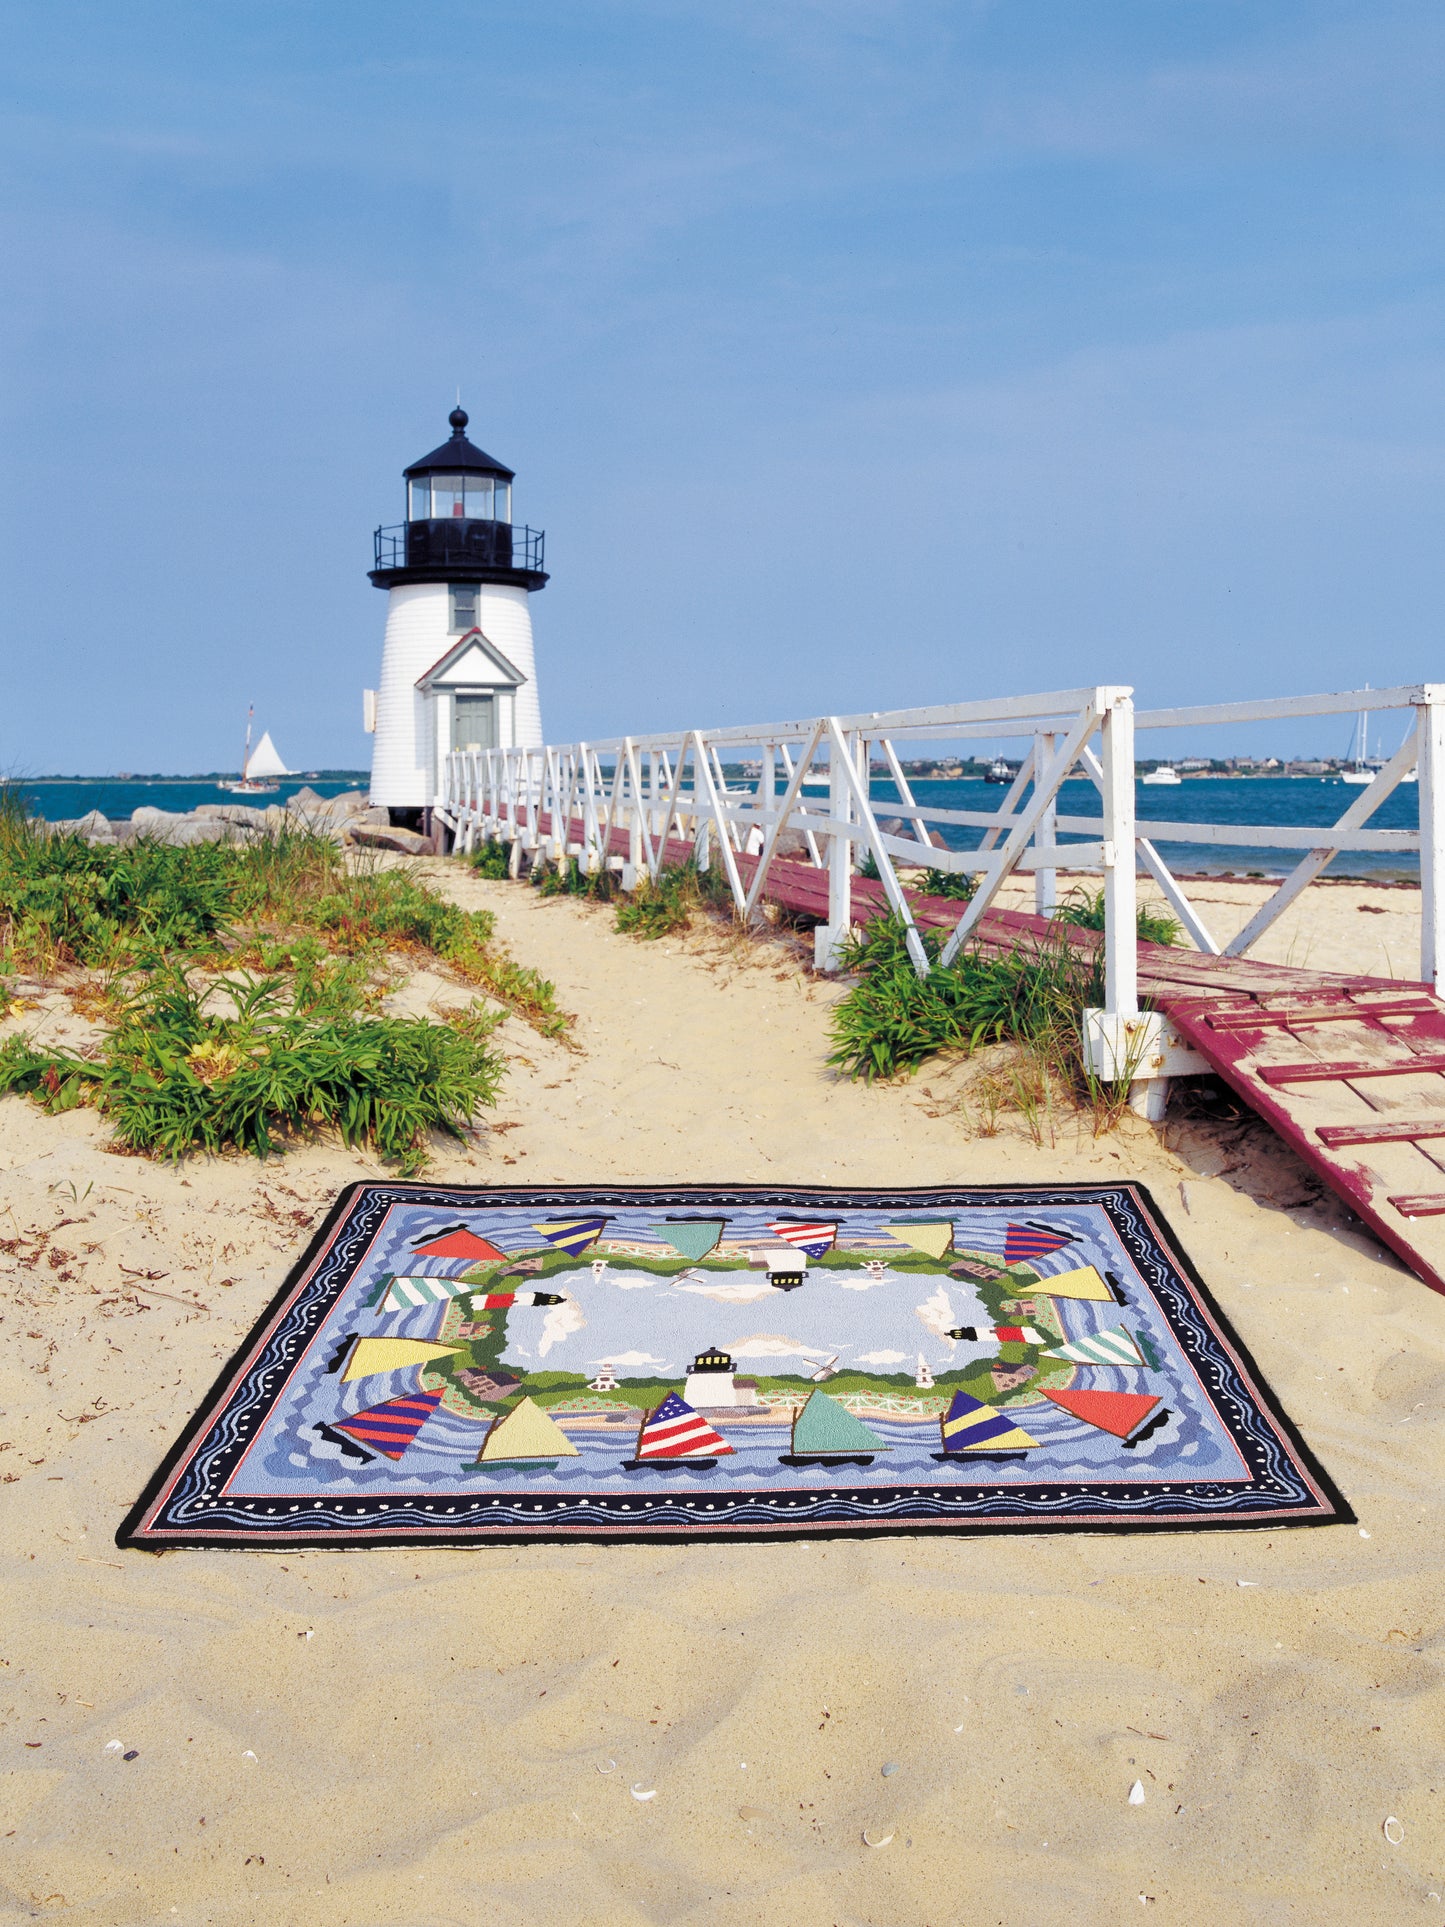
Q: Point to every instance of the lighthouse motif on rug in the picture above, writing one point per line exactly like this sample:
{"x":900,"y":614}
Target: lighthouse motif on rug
{"x":457,"y":669}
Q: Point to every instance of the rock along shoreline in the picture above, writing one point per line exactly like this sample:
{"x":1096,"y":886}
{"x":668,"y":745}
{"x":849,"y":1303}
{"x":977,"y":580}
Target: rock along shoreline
{"x":347,"y":819}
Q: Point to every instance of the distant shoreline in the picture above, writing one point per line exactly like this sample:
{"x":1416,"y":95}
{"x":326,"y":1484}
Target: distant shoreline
{"x":204,"y":776}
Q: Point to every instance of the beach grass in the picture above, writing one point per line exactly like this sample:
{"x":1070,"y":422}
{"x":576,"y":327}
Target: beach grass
{"x":892,"y":1020}
{"x":240,"y":989}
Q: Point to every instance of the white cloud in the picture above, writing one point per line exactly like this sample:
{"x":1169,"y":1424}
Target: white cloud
{"x":631,"y":1361}
{"x":731,"y":1291}
{"x":559,"y":1324}
{"x":882,"y":1358}
{"x":771,"y":1345}
{"x":630,"y":1280}
{"x":937,"y":1313}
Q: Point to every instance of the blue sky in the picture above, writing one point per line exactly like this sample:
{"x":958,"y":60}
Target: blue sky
{"x":851,"y":354}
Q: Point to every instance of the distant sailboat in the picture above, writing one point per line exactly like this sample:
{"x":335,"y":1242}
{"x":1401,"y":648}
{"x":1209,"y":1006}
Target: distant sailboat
{"x":1128,"y":1416}
{"x":260,"y":767}
{"x":675,"y":1435}
{"x":972,"y":1429}
{"x":524,"y":1436}
{"x":1361,"y":769}
{"x":826,"y":1433}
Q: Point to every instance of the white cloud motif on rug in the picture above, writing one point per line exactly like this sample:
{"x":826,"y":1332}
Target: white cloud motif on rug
{"x":773,"y":1345}
{"x":936,"y":1314}
{"x":561,"y":1321}
{"x":731,"y":1291}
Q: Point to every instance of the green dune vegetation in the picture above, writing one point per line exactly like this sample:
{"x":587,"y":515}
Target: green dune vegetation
{"x":239,"y":987}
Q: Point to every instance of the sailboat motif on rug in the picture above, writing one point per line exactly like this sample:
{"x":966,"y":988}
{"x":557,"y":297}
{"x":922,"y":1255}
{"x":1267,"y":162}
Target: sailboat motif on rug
{"x":452,"y":1365}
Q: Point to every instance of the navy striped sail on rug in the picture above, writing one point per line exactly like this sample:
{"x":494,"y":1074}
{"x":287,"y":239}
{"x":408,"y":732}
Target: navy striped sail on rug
{"x":450,"y":1366}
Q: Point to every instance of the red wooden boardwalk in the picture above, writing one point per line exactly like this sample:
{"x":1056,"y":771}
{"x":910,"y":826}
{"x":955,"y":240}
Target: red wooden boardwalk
{"x":1349,"y":1070}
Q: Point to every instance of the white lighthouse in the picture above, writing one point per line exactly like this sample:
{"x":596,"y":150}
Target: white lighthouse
{"x":457,"y":668}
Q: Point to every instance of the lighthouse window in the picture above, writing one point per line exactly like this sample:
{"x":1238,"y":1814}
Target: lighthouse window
{"x":464,"y":607}
{"x":420,"y":500}
{"x":479,"y":497}
{"x":503,"y":509}
{"x":448,"y":495}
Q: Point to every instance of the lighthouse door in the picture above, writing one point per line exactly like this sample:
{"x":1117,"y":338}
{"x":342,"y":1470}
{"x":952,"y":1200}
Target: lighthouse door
{"x":474,"y":720}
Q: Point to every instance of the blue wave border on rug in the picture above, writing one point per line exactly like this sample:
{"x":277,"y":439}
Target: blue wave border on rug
{"x":309,"y":1438}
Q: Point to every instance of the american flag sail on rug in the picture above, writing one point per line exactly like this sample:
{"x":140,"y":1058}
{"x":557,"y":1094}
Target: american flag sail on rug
{"x":675,"y":1431}
{"x":814,"y":1238}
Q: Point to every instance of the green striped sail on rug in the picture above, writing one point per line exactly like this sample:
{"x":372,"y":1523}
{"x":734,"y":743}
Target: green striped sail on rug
{"x":404,"y":1293}
{"x":1099,"y":1348}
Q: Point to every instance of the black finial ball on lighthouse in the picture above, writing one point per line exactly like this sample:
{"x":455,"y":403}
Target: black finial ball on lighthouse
{"x":458,"y":419}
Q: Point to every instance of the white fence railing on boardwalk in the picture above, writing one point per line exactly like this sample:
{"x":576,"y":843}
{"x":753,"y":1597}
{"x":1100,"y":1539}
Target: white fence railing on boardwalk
{"x":673,"y":785}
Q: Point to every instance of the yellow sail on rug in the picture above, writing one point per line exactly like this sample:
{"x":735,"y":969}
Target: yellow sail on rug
{"x":935,"y":1239}
{"x":1084,"y":1282}
{"x":526,"y":1432}
{"x":372,"y":1355}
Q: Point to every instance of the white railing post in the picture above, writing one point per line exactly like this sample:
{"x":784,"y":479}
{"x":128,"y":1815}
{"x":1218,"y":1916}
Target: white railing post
{"x":829,"y":938}
{"x":1430,"y":769}
{"x":1121,"y":1046}
{"x":767,"y":797}
{"x":1121,"y":934}
{"x":1046,"y":882}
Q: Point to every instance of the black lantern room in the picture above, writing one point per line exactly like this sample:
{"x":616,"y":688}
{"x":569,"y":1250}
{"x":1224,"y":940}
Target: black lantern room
{"x":459,"y":524}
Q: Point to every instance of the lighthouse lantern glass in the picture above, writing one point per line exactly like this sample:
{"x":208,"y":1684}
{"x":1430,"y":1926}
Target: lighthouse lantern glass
{"x":474,"y":498}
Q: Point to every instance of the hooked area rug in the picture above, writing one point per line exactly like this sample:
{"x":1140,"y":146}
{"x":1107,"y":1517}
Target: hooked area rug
{"x":452,"y":1365}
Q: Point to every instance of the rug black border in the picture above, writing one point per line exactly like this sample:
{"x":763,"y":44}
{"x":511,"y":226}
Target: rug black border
{"x":130,"y":1537}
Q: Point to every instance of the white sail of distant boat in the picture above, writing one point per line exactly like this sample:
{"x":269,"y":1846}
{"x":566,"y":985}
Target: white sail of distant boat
{"x":266,"y":761}
{"x":259,"y":767}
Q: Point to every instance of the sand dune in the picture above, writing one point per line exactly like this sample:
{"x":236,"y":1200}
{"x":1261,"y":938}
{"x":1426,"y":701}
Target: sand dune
{"x":348,"y":1739}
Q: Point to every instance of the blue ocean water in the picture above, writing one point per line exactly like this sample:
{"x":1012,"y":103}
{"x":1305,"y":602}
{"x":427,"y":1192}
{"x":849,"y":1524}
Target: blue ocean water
{"x":58,"y":801}
{"x":1293,"y":801}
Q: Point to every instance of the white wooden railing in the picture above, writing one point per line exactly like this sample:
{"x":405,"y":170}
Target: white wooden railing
{"x":672,"y":784}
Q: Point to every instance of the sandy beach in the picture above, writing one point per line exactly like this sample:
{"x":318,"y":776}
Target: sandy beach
{"x":346,"y":1740}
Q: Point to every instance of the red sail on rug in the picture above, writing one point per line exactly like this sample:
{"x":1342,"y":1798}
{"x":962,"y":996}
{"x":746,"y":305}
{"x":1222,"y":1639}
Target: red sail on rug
{"x":1024,"y":1241}
{"x":390,"y":1428}
{"x":457,"y":1242}
{"x":1121,"y":1413}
